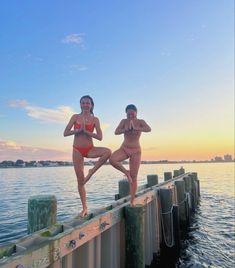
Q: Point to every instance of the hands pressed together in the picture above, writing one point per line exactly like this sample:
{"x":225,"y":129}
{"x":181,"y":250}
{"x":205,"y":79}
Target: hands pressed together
{"x":131,"y":127}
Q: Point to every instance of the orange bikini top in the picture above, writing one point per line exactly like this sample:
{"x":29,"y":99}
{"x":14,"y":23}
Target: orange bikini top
{"x":89,"y":127}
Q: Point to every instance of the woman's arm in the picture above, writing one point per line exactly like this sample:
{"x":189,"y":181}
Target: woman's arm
{"x":143,"y":126}
{"x":68,"y":131}
{"x":98,"y":135}
{"x":120,"y":128}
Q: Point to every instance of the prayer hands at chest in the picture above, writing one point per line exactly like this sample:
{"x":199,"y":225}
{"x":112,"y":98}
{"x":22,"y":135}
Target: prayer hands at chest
{"x":131,"y":127}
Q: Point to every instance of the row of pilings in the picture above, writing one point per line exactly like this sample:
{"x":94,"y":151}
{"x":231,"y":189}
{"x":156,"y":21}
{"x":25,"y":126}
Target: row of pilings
{"x":114,"y":236}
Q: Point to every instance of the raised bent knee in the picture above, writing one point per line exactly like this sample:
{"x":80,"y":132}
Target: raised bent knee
{"x":112,"y":160}
{"x":108,"y":153}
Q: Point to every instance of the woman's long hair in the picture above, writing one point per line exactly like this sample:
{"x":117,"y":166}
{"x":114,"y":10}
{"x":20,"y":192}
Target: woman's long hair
{"x":92,"y":102}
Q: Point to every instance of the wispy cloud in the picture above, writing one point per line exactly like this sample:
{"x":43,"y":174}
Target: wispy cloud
{"x":77,"y":68}
{"x":18,"y":103}
{"x":58,"y":115}
{"x":77,"y":39}
{"x":10,"y":150}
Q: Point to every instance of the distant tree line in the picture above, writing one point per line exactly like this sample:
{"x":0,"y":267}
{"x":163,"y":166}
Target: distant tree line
{"x":42,"y":163}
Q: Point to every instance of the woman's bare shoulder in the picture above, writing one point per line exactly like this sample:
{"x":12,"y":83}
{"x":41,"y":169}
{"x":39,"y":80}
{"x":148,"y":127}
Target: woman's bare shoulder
{"x":75,"y":116}
{"x":96,"y":119}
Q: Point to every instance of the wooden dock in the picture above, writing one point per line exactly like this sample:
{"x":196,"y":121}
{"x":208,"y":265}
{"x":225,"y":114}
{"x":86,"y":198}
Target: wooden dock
{"x":117,"y":235}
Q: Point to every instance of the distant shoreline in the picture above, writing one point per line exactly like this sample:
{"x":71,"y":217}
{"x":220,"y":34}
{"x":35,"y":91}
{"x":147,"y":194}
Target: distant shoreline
{"x":49,"y":163}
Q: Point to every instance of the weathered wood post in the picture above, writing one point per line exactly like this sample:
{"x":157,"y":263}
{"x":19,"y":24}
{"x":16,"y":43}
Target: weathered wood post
{"x":167,"y":176}
{"x":123,"y":188}
{"x":180,"y":191}
{"x":181,"y":171}
{"x":134,"y":236}
{"x":152,"y":180}
{"x":169,"y":214}
{"x":193,"y":192}
{"x":42,"y":210}
{"x":176,"y":230}
{"x":176,"y":173}
{"x":194,"y":174}
{"x":188,"y":204}
{"x":166,"y":216}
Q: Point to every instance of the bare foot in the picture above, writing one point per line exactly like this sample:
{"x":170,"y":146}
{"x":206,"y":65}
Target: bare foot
{"x":88,"y":176}
{"x":83,"y":213}
{"x":132,"y":204}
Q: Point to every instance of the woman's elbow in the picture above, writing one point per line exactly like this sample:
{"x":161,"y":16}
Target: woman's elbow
{"x":100,"y":137}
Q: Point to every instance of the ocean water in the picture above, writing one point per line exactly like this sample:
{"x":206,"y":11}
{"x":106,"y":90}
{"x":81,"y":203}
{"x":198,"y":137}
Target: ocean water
{"x":211,"y":236}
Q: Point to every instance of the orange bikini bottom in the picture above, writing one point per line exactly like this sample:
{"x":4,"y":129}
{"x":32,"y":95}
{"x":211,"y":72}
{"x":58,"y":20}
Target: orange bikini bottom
{"x":83,"y":150}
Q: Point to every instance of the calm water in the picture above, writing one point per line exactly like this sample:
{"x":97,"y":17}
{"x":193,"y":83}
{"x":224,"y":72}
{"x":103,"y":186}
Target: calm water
{"x":210,"y":242}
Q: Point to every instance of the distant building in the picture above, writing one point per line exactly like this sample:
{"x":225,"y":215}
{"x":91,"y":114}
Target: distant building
{"x":228,"y":158}
{"x":218,"y":159}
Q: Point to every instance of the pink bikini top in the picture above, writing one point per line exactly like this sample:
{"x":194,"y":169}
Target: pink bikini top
{"x":89,"y":127}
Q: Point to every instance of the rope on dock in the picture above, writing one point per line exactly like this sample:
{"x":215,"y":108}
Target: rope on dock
{"x":183,"y":201}
{"x":172,"y":227}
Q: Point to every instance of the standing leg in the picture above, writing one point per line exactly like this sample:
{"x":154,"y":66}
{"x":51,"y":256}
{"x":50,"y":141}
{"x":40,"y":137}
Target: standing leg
{"x":134,"y":168}
{"x":78,"y":163}
{"x":103,"y":153}
{"x":115,"y":161}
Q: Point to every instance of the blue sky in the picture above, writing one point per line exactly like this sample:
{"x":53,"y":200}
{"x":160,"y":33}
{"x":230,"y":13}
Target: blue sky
{"x":173,"y":59}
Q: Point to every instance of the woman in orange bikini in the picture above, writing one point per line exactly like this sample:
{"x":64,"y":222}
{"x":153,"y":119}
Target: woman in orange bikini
{"x":130,"y":148}
{"x":82,"y":126}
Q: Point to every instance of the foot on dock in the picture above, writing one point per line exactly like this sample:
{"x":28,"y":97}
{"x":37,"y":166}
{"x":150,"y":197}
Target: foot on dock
{"x":83,"y":213}
{"x":132,"y":204}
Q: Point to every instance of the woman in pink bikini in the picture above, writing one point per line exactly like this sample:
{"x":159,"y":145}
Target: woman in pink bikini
{"x":130,"y":148}
{"x":82,"y":126}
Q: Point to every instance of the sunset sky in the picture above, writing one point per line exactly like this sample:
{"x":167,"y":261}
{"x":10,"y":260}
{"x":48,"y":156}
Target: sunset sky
{"x":173,"y":59}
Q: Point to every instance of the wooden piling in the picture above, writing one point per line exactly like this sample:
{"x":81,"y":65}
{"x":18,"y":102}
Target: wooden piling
{"x":176,"y":173}
{"x":166,"y":216}
{"x":152,"y":180}
{"x":181,"y":171}
{"x":187,"y":181}
{"x":170,"y":245}
{"x":134,"y":236}
{"x":180,"y":192}
{"x":167,"y":176}
{"x":176,"y":230}
{"x":123,"y":188}
{"x":188,"y":187}
{"x":42,"y":211}
{"x":195,"y":176}
{"x":194,"y":194}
